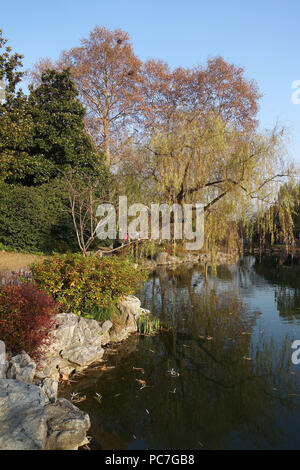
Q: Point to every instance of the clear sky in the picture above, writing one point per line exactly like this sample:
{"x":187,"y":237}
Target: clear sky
{"x":263,"y":36}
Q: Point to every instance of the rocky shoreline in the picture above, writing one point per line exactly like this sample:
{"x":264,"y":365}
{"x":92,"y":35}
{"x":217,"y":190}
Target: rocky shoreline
{"x":31,"y":415}
{"x":164,"y":259}
{"x":159,"y":259}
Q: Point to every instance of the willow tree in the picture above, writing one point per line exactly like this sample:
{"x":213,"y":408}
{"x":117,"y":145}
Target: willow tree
{"x":280,"y":222}
{"x":203,"y":159}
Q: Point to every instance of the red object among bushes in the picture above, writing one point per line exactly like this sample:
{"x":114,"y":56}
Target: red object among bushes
{"x":26,"y":318}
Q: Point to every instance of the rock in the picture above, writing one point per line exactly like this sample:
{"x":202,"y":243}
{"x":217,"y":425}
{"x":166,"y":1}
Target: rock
{"x":130,"y":322}
{"x":21,"y":367}
{"x":53,"y":366}
{"x":66,"y":369}
{"x":129,"y":305}
{"x":66,"y":426}
{"x":77,"y":344}
{"x":129,"y":308}
{"x":77,"y":341}
{"x":22,"y":416}
{"x":144,"y":311}
{"x":48,"y":368}
{"x":3,"y":368}
{"x":173,"y":260}
{"x":118,"y":333}
{"x":3,"y":362}
{"x":74,"y":330}
{"x":161,"y":258}
{"x":83,"y":355}
{"x":105,"y":338}
{"x":28,"y":423}
{"x":49,"y":388}
{"x":106,"y":326}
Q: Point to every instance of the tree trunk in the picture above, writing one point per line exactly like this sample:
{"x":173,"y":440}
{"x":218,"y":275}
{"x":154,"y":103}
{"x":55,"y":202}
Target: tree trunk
{"x":106,"y":143}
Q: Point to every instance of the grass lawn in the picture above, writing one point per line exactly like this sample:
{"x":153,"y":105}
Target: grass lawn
{"x":16,"y":261}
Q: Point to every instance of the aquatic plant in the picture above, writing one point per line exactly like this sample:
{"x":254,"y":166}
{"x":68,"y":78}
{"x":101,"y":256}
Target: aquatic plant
{"x":148,"y":325}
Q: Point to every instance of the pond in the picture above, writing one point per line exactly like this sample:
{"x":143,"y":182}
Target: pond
{"x":219,"y":376}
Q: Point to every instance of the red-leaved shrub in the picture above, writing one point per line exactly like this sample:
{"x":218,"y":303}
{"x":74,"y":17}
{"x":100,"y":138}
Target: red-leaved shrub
{"x":26,"y":318}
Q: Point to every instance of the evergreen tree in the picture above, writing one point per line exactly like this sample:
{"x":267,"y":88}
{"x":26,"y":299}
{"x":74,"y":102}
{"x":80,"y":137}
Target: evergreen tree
{"x":43,"y":135}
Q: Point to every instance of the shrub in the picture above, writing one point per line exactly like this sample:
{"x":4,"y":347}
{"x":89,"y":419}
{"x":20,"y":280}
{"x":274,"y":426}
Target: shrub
{"x":26,"y":318}
{"x":35,"y":218}
{"x":88,"y":286}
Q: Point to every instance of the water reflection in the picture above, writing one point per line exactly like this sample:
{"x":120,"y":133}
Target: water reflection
{"x":286,"y":277}
{"x":234,"y":389}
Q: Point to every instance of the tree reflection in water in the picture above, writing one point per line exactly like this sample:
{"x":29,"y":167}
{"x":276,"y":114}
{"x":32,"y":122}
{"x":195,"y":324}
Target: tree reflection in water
{"x":231,"y":392}
{"x":286,"y":277}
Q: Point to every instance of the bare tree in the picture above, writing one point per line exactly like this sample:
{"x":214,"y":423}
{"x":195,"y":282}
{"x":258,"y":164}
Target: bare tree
{"x":85,"y":195}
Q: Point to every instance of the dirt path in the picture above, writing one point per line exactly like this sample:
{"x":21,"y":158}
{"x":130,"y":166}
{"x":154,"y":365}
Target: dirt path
{"x":16,"y":261}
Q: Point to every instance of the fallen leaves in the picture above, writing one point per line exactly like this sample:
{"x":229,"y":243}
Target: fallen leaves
{"x":76,"y":398}
{"x":208,"y":338}
{"x":139,"y":368}
{"x":143,"y":383}
{"x":173,"y":372}
{"x":98,"y":397}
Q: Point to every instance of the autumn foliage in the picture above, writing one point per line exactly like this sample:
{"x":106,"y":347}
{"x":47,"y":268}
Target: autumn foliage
{"x":177,"y":135}
{"x":127,"y":99}
{"x":26,"y":318}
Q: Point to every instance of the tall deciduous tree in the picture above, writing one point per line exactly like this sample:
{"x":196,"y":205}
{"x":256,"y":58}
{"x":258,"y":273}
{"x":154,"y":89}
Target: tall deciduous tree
{"x":219,"y":88}
{"x":107,"y":74}
{"x":223,"y":89}
{"x":124,"y":96}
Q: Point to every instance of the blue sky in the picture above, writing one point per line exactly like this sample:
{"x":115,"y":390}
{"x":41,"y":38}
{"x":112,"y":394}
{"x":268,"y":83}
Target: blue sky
{"x":261,"y":36}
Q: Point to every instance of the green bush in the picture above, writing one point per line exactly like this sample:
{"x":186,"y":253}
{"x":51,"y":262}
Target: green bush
{"x":88,"y":286}
{"x":35,"y":218}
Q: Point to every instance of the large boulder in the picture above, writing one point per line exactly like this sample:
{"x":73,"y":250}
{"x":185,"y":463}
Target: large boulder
{"x":130,"y":309}
{"x":83,"y":355}
{"x":66,"y":426}
{"x":22,"y":416}
{"x":77,"y":343}
{"x":73,"y":330}
{"x":129,"y":305}
{"x":27,"y":422}
{"x":53,"y":366}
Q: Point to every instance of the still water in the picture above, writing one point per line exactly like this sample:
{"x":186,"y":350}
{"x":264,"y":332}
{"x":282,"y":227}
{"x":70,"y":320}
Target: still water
{"x":220,"y":374}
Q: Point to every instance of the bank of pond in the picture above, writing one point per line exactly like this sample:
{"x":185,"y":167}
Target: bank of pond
{"x":218,"y":375}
